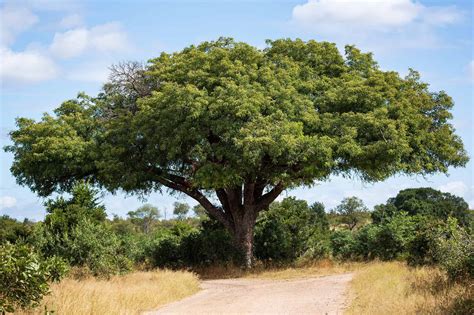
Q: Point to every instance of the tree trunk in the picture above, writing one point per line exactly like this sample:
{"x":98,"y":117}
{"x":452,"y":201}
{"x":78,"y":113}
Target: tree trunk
{"x":239,"y":208}
{"x":243,"y":239}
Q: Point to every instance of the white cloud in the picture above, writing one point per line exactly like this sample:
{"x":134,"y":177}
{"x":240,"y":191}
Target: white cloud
{"x":389,"y":23}
{"x":329,"y":15}
{"x":108,"y":37}
{"x":70,"y":44}
{"x":70,"y":21}
{"x":457,"y":188}
{"x":102,"y":38}
{"x":15,"y":19}
{"x":25,"y":67}
{"x":7,"y":202}
{"x":361,"y":13}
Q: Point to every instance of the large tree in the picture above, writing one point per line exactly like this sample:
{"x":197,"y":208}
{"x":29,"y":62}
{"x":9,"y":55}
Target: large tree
{"x":232,"y":126}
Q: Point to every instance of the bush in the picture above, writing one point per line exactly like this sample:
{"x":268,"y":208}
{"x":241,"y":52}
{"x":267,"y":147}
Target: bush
{"x":290,"y":229}
{"x":211,"y":244}
{"x":25,"y":277}
{"x":394,"y":237}
{"x":88,"y":244}
{"x":454,"y":248}
{"x":343,"y":244}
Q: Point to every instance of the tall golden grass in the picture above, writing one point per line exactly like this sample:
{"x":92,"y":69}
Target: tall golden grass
{"x":394,"y":288}
{"x":128,"y":294}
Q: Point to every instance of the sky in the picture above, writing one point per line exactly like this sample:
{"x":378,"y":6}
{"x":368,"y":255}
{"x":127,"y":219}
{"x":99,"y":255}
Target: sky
{"x":51,"y":50}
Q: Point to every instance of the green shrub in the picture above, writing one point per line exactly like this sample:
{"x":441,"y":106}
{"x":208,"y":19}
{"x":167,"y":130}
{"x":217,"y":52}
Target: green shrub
{"x":290,"y":229}
{"x":454,"y":248}
{"x":211,"y":244}
{"x":422,"y":249}
{"x":88,"y":244}
{"x":25,"y":277}
{"x":393,"y":237}
{"x":96,"y":247}
{"x":343,"y":244}
{"x":367,"y":242}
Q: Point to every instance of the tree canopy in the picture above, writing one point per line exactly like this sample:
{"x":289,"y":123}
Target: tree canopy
{"x":426,"y":202}
{"x":227,"y":121}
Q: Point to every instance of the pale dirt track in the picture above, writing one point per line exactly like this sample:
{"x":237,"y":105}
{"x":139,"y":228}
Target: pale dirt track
{"x":322,"y":295}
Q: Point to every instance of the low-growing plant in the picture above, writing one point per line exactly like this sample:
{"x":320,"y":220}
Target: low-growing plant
{"x":25,"y":276}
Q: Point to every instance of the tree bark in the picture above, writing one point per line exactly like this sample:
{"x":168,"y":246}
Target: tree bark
{"x":243,"y":234}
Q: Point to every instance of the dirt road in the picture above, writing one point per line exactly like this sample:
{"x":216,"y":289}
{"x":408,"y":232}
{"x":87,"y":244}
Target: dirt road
{"x":323,"y":295}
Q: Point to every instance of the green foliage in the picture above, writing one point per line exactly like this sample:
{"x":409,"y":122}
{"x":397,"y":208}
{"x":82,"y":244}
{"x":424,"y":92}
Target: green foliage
{"x":25,"y":277}
{"x":394,"y":237}
{"x":426,"y":202}
{"x":75,"y":230}
{"x":200,"y":212}
{"x":144,"y":217}
{"x":14,"y":231}
{"x":343,"y":244}
{"x":222,"y":112}
{"x":96,"y":247}
{"x":63,"y":215}
{"x":180,"y":210}
{"x":351,"y":212}
{"x":454,"y":249}
{"x":223,"y":116}
{"x":290,"y":229}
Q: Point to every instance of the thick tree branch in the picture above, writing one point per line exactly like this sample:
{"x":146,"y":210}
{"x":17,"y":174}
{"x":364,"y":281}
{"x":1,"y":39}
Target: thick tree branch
{"x":181,"y":185}
{"x":265,"y":200}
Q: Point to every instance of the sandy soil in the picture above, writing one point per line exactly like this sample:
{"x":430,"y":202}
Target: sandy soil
{"x":322,"y":295}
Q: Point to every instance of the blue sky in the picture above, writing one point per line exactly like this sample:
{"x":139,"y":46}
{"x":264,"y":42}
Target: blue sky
{"x":50,"y":50}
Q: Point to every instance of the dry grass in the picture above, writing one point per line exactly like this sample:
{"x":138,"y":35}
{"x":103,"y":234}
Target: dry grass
{"x":394,"y":288}
{"x":260,"y":271}
{"x":127,"y":294}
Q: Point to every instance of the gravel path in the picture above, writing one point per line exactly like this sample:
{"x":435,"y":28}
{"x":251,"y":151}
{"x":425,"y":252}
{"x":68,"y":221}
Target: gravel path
{"x":322,"y":295}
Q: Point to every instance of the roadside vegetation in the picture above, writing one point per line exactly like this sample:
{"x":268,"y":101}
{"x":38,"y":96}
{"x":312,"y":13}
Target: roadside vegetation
{"x":132,"y":293}
{"x":395,"y":288}
{"x":419,"y":236}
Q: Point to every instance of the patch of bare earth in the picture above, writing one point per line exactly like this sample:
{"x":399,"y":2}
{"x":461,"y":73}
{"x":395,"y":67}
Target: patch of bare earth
{"x":322,"y":295}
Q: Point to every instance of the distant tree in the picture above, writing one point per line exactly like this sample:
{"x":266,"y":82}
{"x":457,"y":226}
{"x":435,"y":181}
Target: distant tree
{"x":144,"y":217}
{"x":180,"y":210}
{"x":232,"y":126}
{"x":427,"y":202}
{"x":200,"y":212}
{"x":351,"y":212}
{"x":11,"y":230}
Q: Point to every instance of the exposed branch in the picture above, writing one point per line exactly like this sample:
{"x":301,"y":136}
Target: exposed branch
{"x":265,"y":200}
{"x":179,"y":183}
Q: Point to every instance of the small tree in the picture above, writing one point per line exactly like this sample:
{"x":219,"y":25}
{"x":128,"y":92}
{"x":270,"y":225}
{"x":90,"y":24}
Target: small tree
{"x":144,"y":217}
{"x":351,"y":212}
{"x":180,"y":210}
